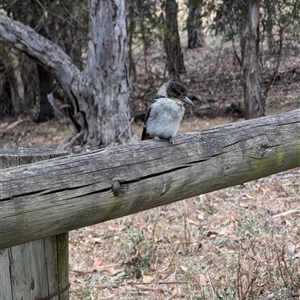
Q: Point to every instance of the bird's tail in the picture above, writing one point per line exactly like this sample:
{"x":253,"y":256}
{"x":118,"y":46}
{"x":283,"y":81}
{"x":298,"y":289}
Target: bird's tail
{"x":144,"y":134}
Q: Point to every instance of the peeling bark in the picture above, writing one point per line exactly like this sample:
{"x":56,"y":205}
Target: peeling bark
{"x":252,"y":91}
{"x":100,"y":92}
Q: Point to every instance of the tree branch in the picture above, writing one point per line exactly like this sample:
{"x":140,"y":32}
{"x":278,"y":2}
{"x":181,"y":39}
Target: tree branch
{"x":47,"y":53}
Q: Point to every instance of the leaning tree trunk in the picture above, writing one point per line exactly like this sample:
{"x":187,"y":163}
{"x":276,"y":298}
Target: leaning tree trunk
{"x":5,"y":95}
{"x":100,"y":92}
{"x":252,"y":91}
{"x":175,"y":64}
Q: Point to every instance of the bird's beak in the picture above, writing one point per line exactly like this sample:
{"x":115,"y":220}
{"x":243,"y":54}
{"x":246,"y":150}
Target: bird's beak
{"x":187,"y":101}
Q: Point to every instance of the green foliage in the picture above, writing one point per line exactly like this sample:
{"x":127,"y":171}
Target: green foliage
{"x":137,"y":254}
{"x":65,"y":22}
{"x":6,"y":59}
{"x":227,"y":294}
{"x":230,"y":15}
{"x":144,"y":21}
{"x":248,"y":225}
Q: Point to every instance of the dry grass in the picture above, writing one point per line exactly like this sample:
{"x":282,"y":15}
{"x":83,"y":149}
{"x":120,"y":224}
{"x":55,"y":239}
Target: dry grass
{"x":229,"y":244}
{"x":238,"y":243}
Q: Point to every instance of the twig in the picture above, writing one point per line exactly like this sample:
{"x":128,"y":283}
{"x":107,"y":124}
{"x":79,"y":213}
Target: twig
{"x":161,"y":282}
{"x":286,"y":213}
{"x":238,"y":279}
{"x":12,"y":125}
{"x":129,"y":123}
{"x":219,"y":54}
{"x":234,"y":50}
{"x":98,"y":269}
{"x":211,"y":285}
{"x":110,"y":286}
{"x":71,"y":142}
{"x":173,"y":257}
{"x":57,"y":109}
{"x":148,"y":288}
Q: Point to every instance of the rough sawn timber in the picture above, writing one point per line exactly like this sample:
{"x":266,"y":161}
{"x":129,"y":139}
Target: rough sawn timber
{"x":62,"y":194}
{"x":38,"y":269}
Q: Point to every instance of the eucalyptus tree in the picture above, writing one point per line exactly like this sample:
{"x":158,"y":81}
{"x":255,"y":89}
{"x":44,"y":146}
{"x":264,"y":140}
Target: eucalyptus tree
{"x":175,"y":61}
{"x":194,"y":24}
{"x":252,"y":90}
{"x":99,"y":90}
{"x":64,"y":22}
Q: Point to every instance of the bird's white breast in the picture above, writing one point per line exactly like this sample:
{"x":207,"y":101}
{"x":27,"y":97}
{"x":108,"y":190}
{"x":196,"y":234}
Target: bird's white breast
{"x":164,"y":118}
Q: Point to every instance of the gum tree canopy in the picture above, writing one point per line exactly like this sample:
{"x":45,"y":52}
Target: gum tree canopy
{"x":99,"y":93}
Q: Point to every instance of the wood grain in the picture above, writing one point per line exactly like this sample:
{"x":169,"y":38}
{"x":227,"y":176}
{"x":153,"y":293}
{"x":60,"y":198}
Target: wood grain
{"x":36,"y":269}
{"x":62,"y":194}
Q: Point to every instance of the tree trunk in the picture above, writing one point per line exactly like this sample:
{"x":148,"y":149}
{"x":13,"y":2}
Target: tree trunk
{"x":249,"y":42}
{"x":46,"y":83}
{"x":6,"y":108}
{"x":45,"y":78}
{"x":100,"y":92}
{"x":271,"y":15}
{"x":103,"y":87}
{"x":194,"y":25}
{"x":28,"y":75}
{"x":131,"y":21}
{"x":175,"y":63}
{"x":10,"y":100}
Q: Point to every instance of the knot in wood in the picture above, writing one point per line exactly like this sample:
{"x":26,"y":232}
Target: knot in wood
{"x":116,"y":188}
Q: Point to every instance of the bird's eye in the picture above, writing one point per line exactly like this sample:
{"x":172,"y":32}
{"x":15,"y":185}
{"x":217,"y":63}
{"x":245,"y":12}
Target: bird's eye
{"x":176,"y":90}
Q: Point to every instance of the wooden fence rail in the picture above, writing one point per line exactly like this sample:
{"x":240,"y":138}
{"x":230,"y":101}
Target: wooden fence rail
{"x":58,"y":195}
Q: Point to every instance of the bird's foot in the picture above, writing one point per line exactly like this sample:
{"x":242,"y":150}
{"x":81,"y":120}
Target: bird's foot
{"x":171,"y":140}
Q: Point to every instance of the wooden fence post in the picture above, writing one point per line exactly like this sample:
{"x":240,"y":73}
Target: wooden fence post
{"x":36,"y":270}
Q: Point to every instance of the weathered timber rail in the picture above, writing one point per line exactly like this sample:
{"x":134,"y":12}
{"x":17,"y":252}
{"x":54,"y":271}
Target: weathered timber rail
{"x":58,"y":195}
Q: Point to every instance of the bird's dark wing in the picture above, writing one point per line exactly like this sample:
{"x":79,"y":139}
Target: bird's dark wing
{"x":145,"y":135}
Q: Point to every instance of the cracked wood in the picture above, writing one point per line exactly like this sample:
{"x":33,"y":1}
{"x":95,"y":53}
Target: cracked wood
{"x":62,"y":194}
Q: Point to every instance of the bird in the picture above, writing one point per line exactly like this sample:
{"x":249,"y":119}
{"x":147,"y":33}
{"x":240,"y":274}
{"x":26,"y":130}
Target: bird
{"x":165,"y":112}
